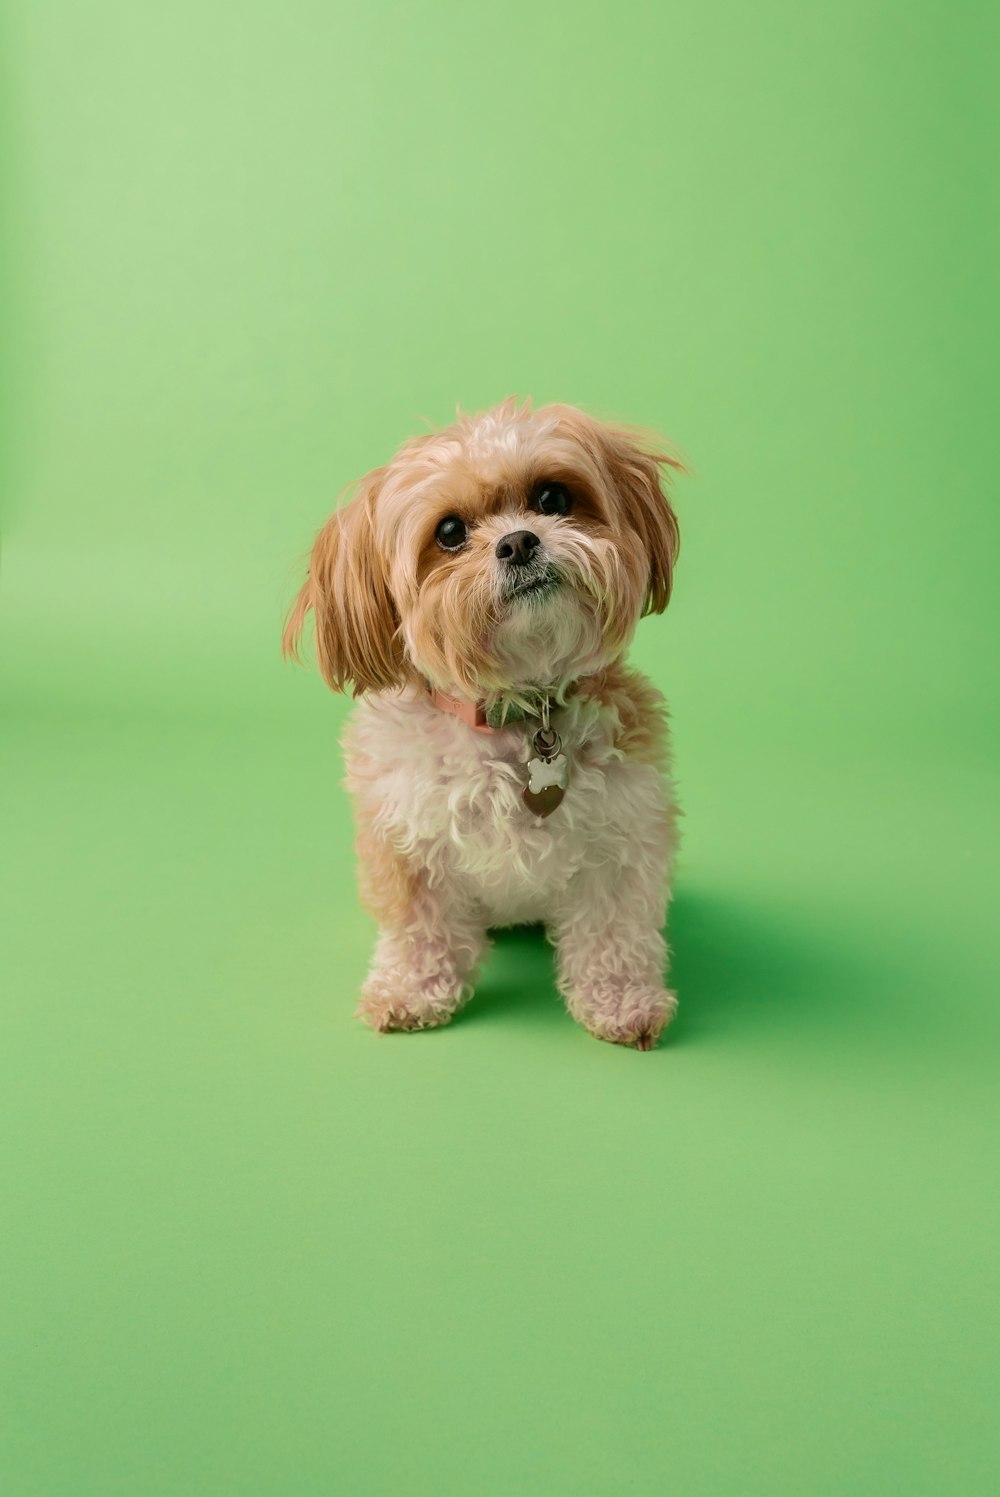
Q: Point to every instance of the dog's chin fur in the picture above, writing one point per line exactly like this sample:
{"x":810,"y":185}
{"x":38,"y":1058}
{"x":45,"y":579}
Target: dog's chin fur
{"x":550,"y":639}
{"x":447,"y":846}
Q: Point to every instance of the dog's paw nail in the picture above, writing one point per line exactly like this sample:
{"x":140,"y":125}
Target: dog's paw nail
{"x":635,"y":1021}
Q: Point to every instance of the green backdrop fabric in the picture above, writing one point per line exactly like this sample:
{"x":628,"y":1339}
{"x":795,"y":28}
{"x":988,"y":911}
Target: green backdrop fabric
{"x":250,"y":1247}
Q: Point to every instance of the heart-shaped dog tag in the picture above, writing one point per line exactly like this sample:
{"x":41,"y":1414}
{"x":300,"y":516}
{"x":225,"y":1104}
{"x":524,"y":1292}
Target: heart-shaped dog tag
{"x":543,"y":802}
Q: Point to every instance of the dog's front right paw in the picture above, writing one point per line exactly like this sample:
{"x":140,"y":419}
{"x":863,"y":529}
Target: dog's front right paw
{"x":389,"y":1012}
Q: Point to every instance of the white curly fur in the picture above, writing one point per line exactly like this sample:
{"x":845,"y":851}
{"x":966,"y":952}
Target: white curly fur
{"x":596,"y":872}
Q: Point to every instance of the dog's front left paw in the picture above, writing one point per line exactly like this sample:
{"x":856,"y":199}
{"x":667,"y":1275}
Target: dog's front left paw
{"x":635,"y":1017}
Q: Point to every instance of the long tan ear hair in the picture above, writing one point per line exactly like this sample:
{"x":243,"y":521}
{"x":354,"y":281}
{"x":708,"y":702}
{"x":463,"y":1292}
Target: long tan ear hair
{"x":347,"y":589}
{"x":640,"y":474}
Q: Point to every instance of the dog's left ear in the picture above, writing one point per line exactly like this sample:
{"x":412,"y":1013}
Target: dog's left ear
{"x":641,"y":474}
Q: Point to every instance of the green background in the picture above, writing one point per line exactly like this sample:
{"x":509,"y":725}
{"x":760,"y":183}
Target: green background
{"x":248,"y":1246}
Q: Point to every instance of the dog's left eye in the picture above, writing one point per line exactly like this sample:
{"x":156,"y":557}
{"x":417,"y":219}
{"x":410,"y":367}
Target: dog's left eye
{"x":551,"y":498}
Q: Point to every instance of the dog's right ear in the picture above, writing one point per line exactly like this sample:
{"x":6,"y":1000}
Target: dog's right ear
{"x":347,"y":589}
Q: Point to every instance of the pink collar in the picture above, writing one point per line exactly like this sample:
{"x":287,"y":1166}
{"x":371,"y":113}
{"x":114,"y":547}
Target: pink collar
{"x":472,"y":713}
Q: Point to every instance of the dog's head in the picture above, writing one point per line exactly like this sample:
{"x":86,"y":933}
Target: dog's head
{"x":513,"y":550}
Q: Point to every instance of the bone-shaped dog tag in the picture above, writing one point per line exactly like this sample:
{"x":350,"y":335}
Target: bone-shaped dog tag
{"x":548,"y":774}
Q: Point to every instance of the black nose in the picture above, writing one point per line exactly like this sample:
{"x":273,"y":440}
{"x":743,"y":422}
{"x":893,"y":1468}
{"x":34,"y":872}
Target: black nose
{"x":517,"y":548}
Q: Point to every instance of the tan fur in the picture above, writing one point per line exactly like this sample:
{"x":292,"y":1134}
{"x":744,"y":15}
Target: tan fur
{"x":389,"y":883}
{"x":641,"y":712}
{"x":634,"y":466}
{"x":347,"y":591}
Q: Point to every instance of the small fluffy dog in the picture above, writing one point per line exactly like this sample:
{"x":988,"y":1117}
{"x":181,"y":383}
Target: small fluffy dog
{"x":478,"y":594}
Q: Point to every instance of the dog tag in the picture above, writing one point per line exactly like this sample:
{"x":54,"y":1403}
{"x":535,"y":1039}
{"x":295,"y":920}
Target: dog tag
{"x":548,"y":774}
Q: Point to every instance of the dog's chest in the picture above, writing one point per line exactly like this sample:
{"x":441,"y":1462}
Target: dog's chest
{"x":452,"y":799}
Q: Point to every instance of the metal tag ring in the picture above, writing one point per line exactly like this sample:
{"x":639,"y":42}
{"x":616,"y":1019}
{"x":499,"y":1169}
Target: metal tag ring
{"x":546,"y":743}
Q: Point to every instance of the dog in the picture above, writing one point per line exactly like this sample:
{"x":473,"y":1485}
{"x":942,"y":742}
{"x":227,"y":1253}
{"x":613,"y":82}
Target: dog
{"x":477,"y":595}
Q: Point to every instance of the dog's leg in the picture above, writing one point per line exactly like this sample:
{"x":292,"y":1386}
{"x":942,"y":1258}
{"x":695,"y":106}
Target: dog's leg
{"x":421,"y":976}
{"x":430,"y":940}
{"x":611,"y":961}
{"x":611,"y":955}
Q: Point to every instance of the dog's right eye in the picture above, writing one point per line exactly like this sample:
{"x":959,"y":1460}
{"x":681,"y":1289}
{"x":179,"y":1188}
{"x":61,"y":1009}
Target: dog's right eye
{"x":452,"y":533}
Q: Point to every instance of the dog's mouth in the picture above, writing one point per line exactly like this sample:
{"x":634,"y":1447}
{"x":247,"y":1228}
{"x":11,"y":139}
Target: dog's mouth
{"x":534,"y":587}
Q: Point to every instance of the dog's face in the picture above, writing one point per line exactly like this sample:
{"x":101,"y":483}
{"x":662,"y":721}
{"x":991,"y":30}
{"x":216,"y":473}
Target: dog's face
{"x":513,"y":550}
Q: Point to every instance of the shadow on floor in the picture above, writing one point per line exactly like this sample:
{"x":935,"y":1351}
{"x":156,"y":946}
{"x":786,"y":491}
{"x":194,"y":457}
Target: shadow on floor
{"x":737,"y":965}
{"x":517,"y":982}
